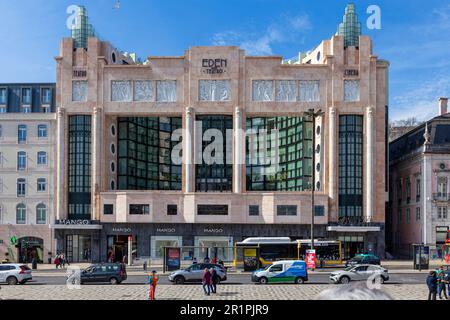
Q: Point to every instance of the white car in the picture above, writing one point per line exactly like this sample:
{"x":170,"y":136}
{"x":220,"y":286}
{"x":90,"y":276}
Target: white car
{"x":13,"y":274}
{"x":360,"y":272}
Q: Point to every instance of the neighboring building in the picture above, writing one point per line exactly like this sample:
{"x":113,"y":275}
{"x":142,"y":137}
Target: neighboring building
{"x":27,"y":149}
{"x":115,"y":121}
{"x":396,"y":132}
{"x":419,"y":179}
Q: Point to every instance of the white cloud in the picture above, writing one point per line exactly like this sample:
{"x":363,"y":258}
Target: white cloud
{"x":287,"y":28}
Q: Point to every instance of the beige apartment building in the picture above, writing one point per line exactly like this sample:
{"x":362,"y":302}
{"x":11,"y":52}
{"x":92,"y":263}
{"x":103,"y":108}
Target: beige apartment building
{"x":27,"y":150}
{"x":116,"y":136}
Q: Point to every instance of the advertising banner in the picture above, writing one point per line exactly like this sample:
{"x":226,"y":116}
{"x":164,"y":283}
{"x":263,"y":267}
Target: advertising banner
{"x":310,"y":259}
{"x":173,"y":259}
{"x":250,"y":259}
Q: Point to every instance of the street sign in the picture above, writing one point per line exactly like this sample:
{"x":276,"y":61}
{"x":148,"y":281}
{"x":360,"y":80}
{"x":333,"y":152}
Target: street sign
{"x":13,"y":240}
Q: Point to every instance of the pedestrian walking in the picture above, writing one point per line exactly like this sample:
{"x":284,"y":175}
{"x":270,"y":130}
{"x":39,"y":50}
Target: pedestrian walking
{"x":206,"y":282}
{"x":442,"y":286}
{"x":152,"y":281}
{"x":215,"y":279}
{"x":432,"y":285}
{"x":214,"y":260}
{"x":60,"y":261}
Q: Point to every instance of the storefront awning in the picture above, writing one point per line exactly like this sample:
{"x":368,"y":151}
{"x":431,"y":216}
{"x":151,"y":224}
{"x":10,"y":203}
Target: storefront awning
{"x":354,"y":228}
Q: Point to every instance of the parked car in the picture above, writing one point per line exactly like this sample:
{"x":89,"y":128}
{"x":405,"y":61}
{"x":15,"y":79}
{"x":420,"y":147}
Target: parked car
{"x":294,"y":271}
{"x":367,"y":258}
{"x":114,"y":273}
{"x":13,"y":274}
{"x":360,"y":272}
{"x":194,"y":273}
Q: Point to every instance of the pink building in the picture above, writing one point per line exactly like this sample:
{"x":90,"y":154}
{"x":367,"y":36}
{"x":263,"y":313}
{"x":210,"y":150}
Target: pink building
{"x":419,"y":194}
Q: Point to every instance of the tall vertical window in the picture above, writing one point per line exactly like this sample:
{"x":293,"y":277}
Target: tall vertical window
{"x":41,"y":214}
{"x":408,"y":215}
{"x":442,"y":213}
{"x":418,"y":214}
{"x":418,"y":190}
{"x":80,"y":167}
{"x":350,"y":166}
{"x":21,"y":160}
{"x":1,"y":131}
{"x":21,"y":187}
{"x":408,"y":189}
{"x":26,"y":96}
{"x":294,"y":148}
{"x":442,"y":187}
{"x":215,"y":174}
{"x":22,"y":133}
{"x":21,"y":214}
{"x":42,"y":131}
{"x":42,"y":158}
{"x":351,"y":90}
{"x":3,"y":96}
{"x":144,"y":155}
{"x":46,"y":96}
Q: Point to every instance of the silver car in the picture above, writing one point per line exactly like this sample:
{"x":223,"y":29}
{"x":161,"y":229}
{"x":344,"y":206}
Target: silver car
{"x":360,"y":272}
{"x":195,"y":273}
{"x":13,"y":274}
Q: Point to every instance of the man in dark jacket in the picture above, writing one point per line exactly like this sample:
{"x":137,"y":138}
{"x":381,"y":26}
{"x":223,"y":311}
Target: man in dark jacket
{"x":432,"y":283}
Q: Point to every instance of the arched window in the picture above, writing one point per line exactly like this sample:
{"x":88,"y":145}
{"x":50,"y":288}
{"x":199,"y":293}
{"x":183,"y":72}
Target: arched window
{"x":41,"y":214}
{"x":21,"y":214}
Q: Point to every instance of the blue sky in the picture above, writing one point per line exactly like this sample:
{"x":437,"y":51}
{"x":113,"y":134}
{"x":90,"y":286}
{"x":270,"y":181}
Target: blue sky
{"x":414,"y":36}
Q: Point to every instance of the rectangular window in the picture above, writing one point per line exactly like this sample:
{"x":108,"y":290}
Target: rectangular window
{"x":408,"y":215}
{"x":139,"y":209}
{"x":172,"y":209}
{"x":319,"y":211}
{"x":212,"y":210}
{"x":121,"y":91}
{"x":214,"y":90}
{"x":41,"y":185}
{"x":26,"y":96}
{"x":79,"y":91}
{"x":143,"y":91}
{"x":262,"y":90}
{"x":3,"y":96}
{"x":351,"y":90}
{"x":253,"y":210}
{"x":21,"y":160}
{"x":214,"y":175}
{"x":400,"y":216}
{"x":79,"y":169}
{"x":293,"y":148}
{"x":144,"y":154}
{"x":408,"y":190}
{"x":108,"y":209}
{"x":418,"y":214}
{"x":286,"y":210}
{"x":442,"y":213}
{"x":166,"y":91}
{"x":42,"y":158}
{"x":350,"y":167}
{"x":309,"y":91}
{"x":42,"y":131}
{"x":21,"y":187}
{"x":418,"y":190}
{"x":46,"y":96}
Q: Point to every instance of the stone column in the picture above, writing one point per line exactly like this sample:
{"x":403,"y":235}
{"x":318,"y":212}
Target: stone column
{"x":61,"y":213}
{"x":96,"y":162}
{"x":369,"y":163}
{"x":333,"y":167}
{"x":239,"y":141}
{"x":188,"y":150}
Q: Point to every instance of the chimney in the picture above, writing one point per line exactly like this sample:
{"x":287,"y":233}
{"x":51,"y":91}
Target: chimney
{"x":443,"y":102}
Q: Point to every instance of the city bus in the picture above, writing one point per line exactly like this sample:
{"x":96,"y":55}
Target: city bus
{"x":268,"y":250}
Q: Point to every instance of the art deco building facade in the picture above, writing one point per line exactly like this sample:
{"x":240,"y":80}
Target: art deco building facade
{"x":116,"y":120}
{"x":27,"y":149}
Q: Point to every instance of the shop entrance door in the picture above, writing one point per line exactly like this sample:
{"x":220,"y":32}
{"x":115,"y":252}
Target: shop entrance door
{"x":118,"y":248}
{"x":351,"y":246}
{"x":30,"y":248}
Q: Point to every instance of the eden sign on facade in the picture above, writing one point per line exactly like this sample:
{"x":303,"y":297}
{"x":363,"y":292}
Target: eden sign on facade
{"x":214,"y":66}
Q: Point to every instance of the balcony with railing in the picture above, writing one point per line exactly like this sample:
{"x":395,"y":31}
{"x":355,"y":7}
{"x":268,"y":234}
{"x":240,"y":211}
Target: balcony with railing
{"x":440,"y":196}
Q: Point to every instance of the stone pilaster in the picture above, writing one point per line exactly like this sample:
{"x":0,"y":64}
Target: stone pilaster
{"x":369,"y":163}
{"x":188,"y":151}
{"x":96,"y":162}
{"x":61,"y":212}
{"x":239,"y":141}
{"x":333,"y":163}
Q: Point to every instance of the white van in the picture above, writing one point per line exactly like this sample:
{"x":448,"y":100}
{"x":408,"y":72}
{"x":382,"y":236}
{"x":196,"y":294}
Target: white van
{"x":291,"y":271}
